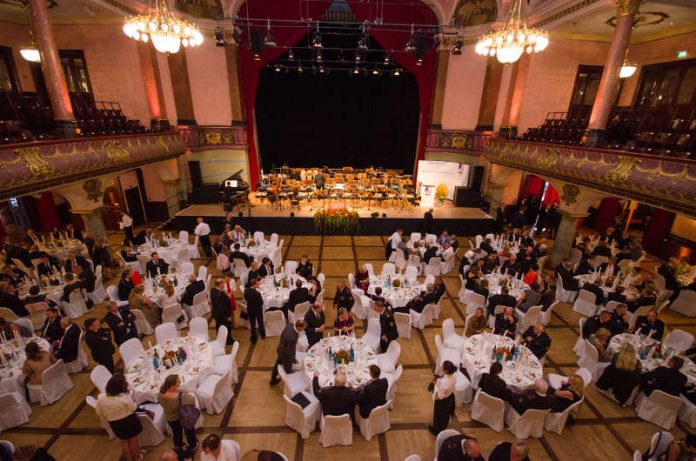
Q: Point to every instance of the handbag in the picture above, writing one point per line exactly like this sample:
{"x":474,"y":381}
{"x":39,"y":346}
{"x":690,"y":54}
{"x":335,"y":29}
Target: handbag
{"x":188,"y":415}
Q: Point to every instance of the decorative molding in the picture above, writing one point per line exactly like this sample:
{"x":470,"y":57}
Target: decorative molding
{"x":463,"y":142}
{"x":197,"y":137}
{"x":664,"y":182}
{"x":570,"y":10}
{"x":570,"y":194}
{"x":37,"y":166}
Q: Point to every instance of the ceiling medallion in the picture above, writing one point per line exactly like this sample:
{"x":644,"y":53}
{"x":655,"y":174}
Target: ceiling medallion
{"x":647,"y":18}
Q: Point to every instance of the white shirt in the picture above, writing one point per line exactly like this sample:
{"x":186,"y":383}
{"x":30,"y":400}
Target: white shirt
{"x":447,"y":252}
{"x":227,"y":453}
{"x":395,"y":239}
{"x":202,"y":229}
{"x":444,"y":387}
{"x":126,"y":221}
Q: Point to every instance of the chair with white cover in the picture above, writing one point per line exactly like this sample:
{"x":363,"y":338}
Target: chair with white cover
{"x":320,"y":296}
{"x":275,"y":323}
{"x":99,"y":293}
{"x":387,"y":360}
{"x":100,"y":375}
{"x":336,"y":430}
{"x":411,"y":273}
{"x":590,"y":360}
{"x":403,"y":324}
{"x":8,"y":314}
{"x":372,"y":334}
{"x":579,"y":347}
{"x":300,"y":310}
{"x":562,"y":294}
{"x":361,"y":305}
{"x":294,"y":382}
{"x":546,"y":315}
{"x":258,"y":236}
{"x":399,"y":260}
{"x":274,"y":239}
{"x":290,"y":267}
{"x":463,"y":390}
{"x":25,"y":322}
{"x":215,"y":392}
{"x":76,"y":306}
{"x":198,"y":327}
{"x":152,"y":433}
{"x":276,"y":258}
{"x":445,"y":353}
{"x":450,"y":336}
{"x":132,"y":349}
{"x":141,"y":322}
{"x":391,"y":390}
{"x":81,"y":362}
{"x":182,"y":257}
{"x":375,"y":424}
{"x":170,"y":314}
{"x":15,"y":410}
{"x":528,"y":424}
{"x":240,"y":267}
{"x":441,"y":437}
{"x":220,"y":342}
{"x":488,"y":410}
{"x":388,"y":269}
{"x":92,"y":402}
{"x":474,"y":300}
{"x":685,"y":303}
{"x":659,"y":408}
{"x":448,"y":264}
{"x":433,"y":267}
{"x":303,"y":420}
{"x":202,"y":272}
{"x":659,"y":446}
{"x":186,"y":268}
{"x":55,"y":384}
{"x":555,"y":422}
{"x":163,"y":332}
{"x":112,"y":291}
{"x":227,"y":363}
{"x":586,"y":303}
{"x":679,"y":340}
{"x":423,"y":319}
{"x":201,"y":306}
{"x":633,"y":317}
{"x":529,"y":318}
{"x":415,"y":236}
{"x":687,"y":412}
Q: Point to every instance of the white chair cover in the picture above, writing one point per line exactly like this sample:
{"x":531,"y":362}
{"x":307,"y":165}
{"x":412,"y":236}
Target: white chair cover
{"x":562,"y":294}
{"x":163,"y":332}
{"x":679,"y":340}
{"x":687,"y":412}
{"x":555,"y":422}
{"x":76,"y":307}
{"x":586,"y":304}
{"x":240,"y":267}
{"x":659,"y":445}
{"x":8,"y":314}
{"x":133,"y":348}
{"x":388,"y":360}
{"x":171,"y":313}
{"x":220,"y":341}
{"x":411,"y":273}
{"x":372,"y":334}
{"x":55,"y":384}
{"x":590,"y":360}
{"x":388,"y":269}
{"x":441,"y":437}
{"x":415,"y":236}
{"x":526,"y":320}
{"x":112,"y":291}
{"x":15,"y":410}
{"x":201,"y":306}
{"x":99,"y":293}
{"x":375,"y":424}
{"x":336,"y":430}
{"x":227,"y":363}
{"x":198,"y":327}
{"x":294,"y":382}
{"x":275,"y":323}
{"x":579,"y":347}
{"x":473,"y":301}
{"x":451,"y":338}
{"x":423,"y":319}
{"x":530,"y":424}
{"x":186,"y":268}
{"x":81,"y":362}
{"x":290,"y":267}
{"x":153,"y":429}
{"x":433,"y":267}
{"x":301,"y":309}
{"x":214,"y":393}
{"x":488,"y":410}
{"x":685,"y":303}
{"x":391,"y":390}
{"x":463,"y":391}
{"x":660,"y":408}
{"x":403,"y":324}
{"x":26,"y":323}
{"x":141,"y":323}
{"x":546,"y":316}
{"x":100,"y":375}
{"x":303,"y":420}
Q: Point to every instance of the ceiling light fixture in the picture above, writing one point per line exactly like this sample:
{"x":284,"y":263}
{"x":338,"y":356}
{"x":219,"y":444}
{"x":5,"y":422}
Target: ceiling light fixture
{"x":167,"y":31}
{"x":291,"y":55}
{"x":627,"y":69}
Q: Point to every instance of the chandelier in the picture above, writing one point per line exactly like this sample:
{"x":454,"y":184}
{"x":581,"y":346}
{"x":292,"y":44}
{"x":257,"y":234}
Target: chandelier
{"x":627,"y":69}
{"x":167,"y":31}
{"x":515,"y":38}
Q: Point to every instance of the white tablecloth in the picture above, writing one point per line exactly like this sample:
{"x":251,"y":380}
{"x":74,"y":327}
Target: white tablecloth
{"x":516,"y":286}
{"x":11,"y":377}
{"x":154,"y":292}
{"x":277,"y":296}
{"x":357,"y":372}
{"x":631,"y":293}
{"x":168,"y":253}
{"x":260,"y":250}
{"x":396,"y":296}
{"x":477,"y":355}
{"x":144,"y":381}
{"x":60,"y":248}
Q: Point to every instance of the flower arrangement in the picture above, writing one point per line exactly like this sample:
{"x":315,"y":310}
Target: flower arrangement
{"x":396,"y":283}
{"x":342,"y":356}
{"x":441,"y":192}
{"x":336,"y":222}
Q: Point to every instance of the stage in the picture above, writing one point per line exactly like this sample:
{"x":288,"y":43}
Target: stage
{"x":261,"y":216}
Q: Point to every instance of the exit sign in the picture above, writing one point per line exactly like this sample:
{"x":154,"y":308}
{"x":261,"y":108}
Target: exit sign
{"x":681,"y":54}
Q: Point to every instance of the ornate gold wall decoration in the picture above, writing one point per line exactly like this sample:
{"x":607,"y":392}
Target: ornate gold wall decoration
{"x":570,"y":194}
{"x":547,"y":159}
{"x":622,"y":170}
{"x":627,"y":6}
{"x":115,"y":152}
{"x":160,"y":142}
{"x":38,"y":167}
{"x":93,"y":187}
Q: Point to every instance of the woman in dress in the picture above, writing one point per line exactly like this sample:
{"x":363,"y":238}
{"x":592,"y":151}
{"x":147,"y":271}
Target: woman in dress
{"x":622,"y":375}
{"x":443,"y":395}
{"x":171,"y":400}
{"x":569,"y":393}
{"x":137,"y":300}
{"x":118,"y":408}
{"x":344,"y":323}
{"x":343,"y":297}
{"x":168,"y":296}
{"x":36,"y":363}
{"x":362,"y":278}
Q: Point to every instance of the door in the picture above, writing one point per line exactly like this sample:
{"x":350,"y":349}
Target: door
{"x":196,"y":175}
{"x":135,"y":205}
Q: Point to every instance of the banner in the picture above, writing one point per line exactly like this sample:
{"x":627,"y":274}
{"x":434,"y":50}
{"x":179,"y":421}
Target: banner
{"x":432,"y":173}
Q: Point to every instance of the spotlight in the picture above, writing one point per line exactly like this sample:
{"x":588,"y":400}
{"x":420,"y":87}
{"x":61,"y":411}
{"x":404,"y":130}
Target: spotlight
{"x":300,"y":69}
{"x":257,"y":57}
{"x":387,"y":59}
{"x":362,"y":43}
{"x":291,"y":55}
{"x":457,"y":49}
{"x":358,"y":58}
{"x":356,"y":71}
{"x":319,"y":57}
{"x":397,"y":72}
{"x":410,"y":46}
{"x":419,"y":62}
{"x":269,"y":41}
{"x":322,"y":70}
{"x":277,"y":68}
{"x":375,"y":71}
{"x":316,"y":40}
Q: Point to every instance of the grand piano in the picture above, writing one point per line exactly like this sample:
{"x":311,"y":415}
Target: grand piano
{"x":234,"y":191}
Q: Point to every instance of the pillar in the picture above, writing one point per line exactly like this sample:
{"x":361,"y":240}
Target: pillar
{"x":443,"y":57}
{"x":182,"y":88}
{"x":93,"y":221}
{"x":489,"y":95}
{"x":565,"y":235}
{"x":232,"y":59}
{"x":511,"y":113}
{"x":153,"y":84}
{"x":52,"y":69}
{"x":609,"y":83}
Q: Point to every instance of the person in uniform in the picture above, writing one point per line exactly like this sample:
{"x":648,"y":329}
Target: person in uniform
{"x":387,"y":324}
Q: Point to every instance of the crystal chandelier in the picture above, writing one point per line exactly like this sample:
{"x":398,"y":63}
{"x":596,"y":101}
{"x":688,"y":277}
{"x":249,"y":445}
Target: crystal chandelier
{"x":515,"y":38}
{"x":166,"y":30}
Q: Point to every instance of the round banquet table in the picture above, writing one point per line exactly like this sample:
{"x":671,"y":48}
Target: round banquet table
{"x":11,"y":376}
{"x":168,"y":253}
{"x":144,"y":381}
{"x":516,"y":286}
{"x":357,"y":372}
{"x":396,"y":296}
{"x":61,"y":251}
{"x":154,"y":292}
{"x":631,"y":293}
{"x":477,"y":357}
{"x":278,"y":296}
{"x":52,"y":292}
{"x":642,"y":344}
{"x":258,"y":251}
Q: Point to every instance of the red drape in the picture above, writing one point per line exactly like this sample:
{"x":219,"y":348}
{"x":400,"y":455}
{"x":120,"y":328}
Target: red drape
{"x":657,"y":230}
{"x":606,"y":214}
{"x":284,"y":36}
{"x":534,"y":187}
{"x":46,"y":208}
{"x":3,"y":234}
{"x":551,"y":196}
{"x":393,"y":40}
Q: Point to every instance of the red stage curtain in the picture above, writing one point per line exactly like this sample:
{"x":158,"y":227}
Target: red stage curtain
{"x":657,"y":230}
{"x":606,"y":214}
{"x":249,"y":69}
{"x":534,"y":187}
{"x":3,"y":234}
{"x":425,"y":73}
{"x":46,"y":208}
{"x":551,"y":196}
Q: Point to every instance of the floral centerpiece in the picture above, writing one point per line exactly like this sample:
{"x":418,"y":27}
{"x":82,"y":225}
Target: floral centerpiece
{"x":340,"y":221}
{"x":342,"y":356}
{"x":441,"y":192}
{"x":396,"y":283}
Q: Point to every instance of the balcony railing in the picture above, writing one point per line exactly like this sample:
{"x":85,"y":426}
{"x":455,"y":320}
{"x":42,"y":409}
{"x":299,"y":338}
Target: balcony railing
{"x":459,"y":141}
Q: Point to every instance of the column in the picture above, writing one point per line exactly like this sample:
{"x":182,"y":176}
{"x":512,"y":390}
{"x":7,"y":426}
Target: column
{"x":93,"y":221}
{"x":489,"y":95}
{"x":153,"y":85}
{"x":608,"y":85}
{"x":182,"y":88}
{"x":512,"y":110}
{"x":232,"y":58}
{"x":443,"y":57}
{"x":565,"y":235}
{"x":52,"y":69}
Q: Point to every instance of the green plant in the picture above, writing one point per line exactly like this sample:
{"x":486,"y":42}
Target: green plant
{"x":441,"y":192}
{"x":336,"y":222}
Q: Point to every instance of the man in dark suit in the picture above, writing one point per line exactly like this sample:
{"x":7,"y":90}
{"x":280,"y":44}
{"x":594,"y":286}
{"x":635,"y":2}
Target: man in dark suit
{"x":585,"y":266}
{"x":71,"y":285}
{"x":125,"y":285}
{"x":487,"y":247}
{"x":596,"y":290}
{"x":533,"y":399}
{"x":428,"y":222}
{"x":429,"y":254}
{"x":73,"y":261}
{"x":254,"y":301}
{"x":122,"y":323}
{"x":266,"y":268}
{"x":194,"y":287}
{"x":156,"y":266}
{"x":338,"y":399}
{"x":502,"y":299}
{"x":287,"y":350}
{"x":601,"y":249}
{"x":506,"y":323}
{"x":46,"y":268}
{"x":506,"y":451}
{"x":9,"y":299}
{"x":220,"y":309}
{"x":565,"y":271}
{"x":617,"y":295}
{"x":298,"y":295}
{"x":316,"y":320}
{"x":619,"y":320}
{"x":666,"y":379}
{"x":518,"y":218}
{"x":492,"y":384}
{"x":236,"y":254}
{"x":51,"y":330}
{"x":374,"y":392}
{"x":98,"y":340}
{"x":388,"y":330}
{"x":594,"y":323}
{"x":69,"y":344}
{"x":647,"y":298}
{"x":650,"y":325}
{"x":526,"y":258}
{"x":73,"y":233}
{"x":146,"y":234}
{"x":86,"y":277}
{"x":537,"y":340}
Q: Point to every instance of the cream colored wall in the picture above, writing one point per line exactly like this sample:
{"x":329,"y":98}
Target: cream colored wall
{"x":217,"y":165}
{"x":210,"y":93}
{"x":684,"y":227}
{"x":465,"y":76}
{"x":167,"y":90}
{"x":15,"y":37}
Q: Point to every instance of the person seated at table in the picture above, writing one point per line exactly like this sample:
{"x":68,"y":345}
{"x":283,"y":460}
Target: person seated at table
{"x":73,"y":260}
{"x":304,"y":267}
{"x":266,"y":267}
{"x":481,"y":288}
{"x":600,"y":340}
{"x":315,"y":319}
{"x":586,"y":265}
{"x":443,"y":238}
{"x":253,"y":273}
{"x":570,"y":392}
{"x":492,"y":384}
{"x":121,"y":321}
{"x":667,"y":379}
{"x":622,"y":375}
{"x":344,"y":323}
{"x":504,"y":298}
{"x":430,"y":253}
{"x":506,"y":323}
{"x":156,"y":266}
{"x":238,"y":233}
{"x":102,"y":256}
{"x":387,"y":326}
{"x":87,"y":277}
{"x":477,"y":324}
{"x":72,"y":285}
{"x":98,"y":340}
{"x":682,"y":450}
{"x":194,"y":287}
{"x":594,"y":323}
{"x":619,"y":320}
{"x":472,"y":276}
{"x":314,"y":288}
{"x":596,"y":290}
{"x":298,"y":295}
{"x":525,"y":259}
{"x":510,"y":451}
{"x":423,"y":299}
{"x":531,"y":275}
{"x":378,"y":298}
{"x":343,"y":296}
{"x":490,"y":264}
{"x":601,"y":249}
{"x":439,"y":287}
{"x":647,"y":298}
{"x":138,"y":300}
{"x":12,"y":329}
{"x":69,"y":344}
{"x":168,"y":297}
{"x":634,"y":278}
{"x":537,"y":398}
{"x":537,"y":340}
{"x":617,"y":295}
{"x":46,"y":268}
{"x":144,"y":235}
{"x":36,"y":362}
{"x":238,"y":254}
{"x":530,"y":297}
{"x":35,"y":296}
{"x":487,"y":246}
{"x":362,"y":278}
{"x":565,"y":271}
{"x":51,"y":330}
{"x":446,"y":252}
{"x":125,"y":285}
{"x":338,"y":399}
{"x":649,"y":325}
{"x":127,"y":255}
{"x":214,"y":450}
{"x":373,"y":393}
{"x":10,"y":300}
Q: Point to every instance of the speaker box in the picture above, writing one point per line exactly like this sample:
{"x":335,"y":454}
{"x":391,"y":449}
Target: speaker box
{"x":466,"y":197}
{"x":476,"y":178}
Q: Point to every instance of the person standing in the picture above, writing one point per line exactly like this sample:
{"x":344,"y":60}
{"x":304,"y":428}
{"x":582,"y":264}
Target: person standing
{"x":99,"y":342}
{"x":126,"y":225}
{"x":122,"y":323}
{"x":373,"y":393}
{"x":287,"y":348}
{"x":118,"y":408}
{"x":428,"y":222}
{"x":316,"y":320}
{"x":172,"y":400}
{"x":443,"y":395}
{"x":254,"y":302}
{"x":202,"y":230}
{"x":387,"y":326}
{"x":220,"y":310}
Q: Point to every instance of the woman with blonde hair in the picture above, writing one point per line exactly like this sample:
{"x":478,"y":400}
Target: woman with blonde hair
{"x":622,"y":375}
{"x":600,"y":340}
{"x":168,"y":296}
{"x":171,"y":399}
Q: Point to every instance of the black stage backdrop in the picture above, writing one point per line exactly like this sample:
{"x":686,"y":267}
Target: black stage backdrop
{"x":337,"y":120}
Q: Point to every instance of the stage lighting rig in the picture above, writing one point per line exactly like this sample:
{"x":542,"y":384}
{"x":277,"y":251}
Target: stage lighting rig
{"x":457,"y":48}
{"x":269,"y":41}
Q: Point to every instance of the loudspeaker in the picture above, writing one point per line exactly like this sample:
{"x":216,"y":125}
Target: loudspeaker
{"x":466,"y":197}
{"x":421,"y":46}
{"x":227,"y":206}
{"x":240,"y":214}
{"x":476,"y":178}
{"x":256,"y":40}
{"x":292,"y":214}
